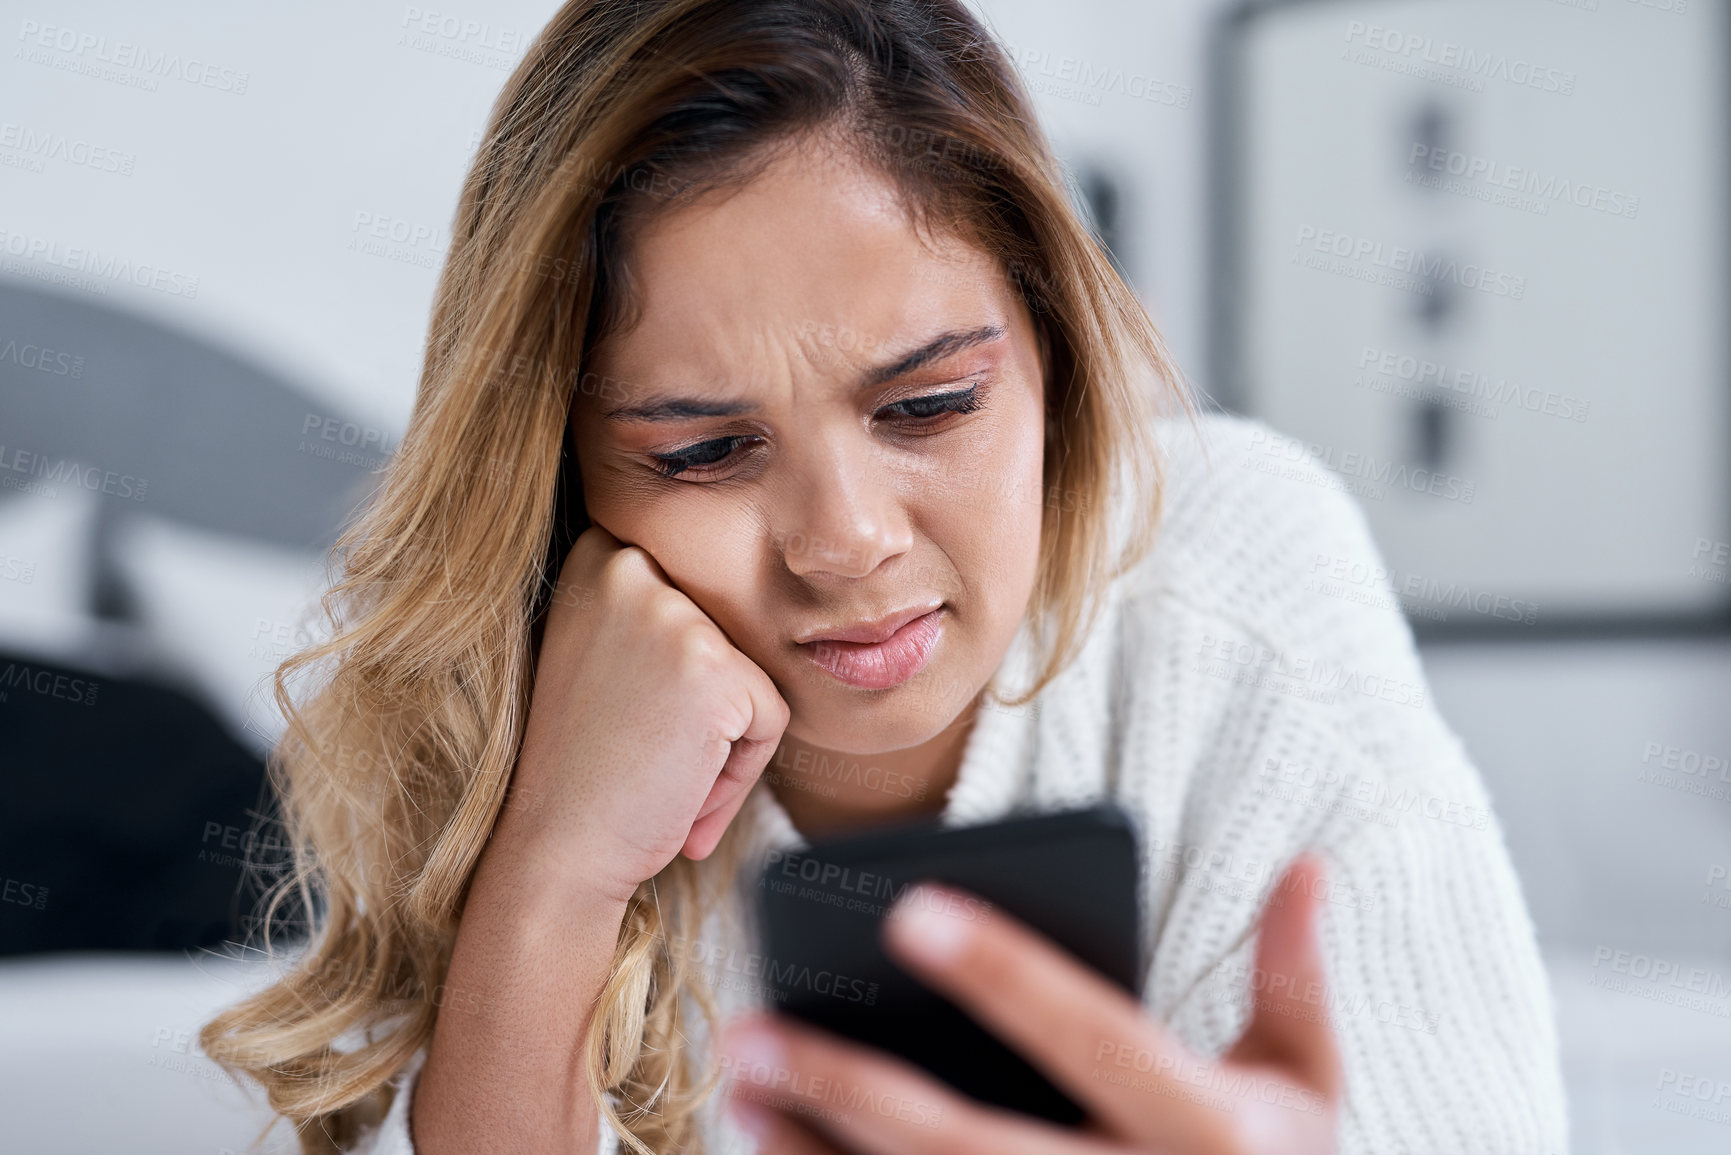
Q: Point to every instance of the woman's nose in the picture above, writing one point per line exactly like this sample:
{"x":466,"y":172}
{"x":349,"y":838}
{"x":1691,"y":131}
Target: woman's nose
{"x":845,"y":516}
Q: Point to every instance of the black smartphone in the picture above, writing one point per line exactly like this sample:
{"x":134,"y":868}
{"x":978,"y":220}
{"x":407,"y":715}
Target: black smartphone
{"x":1072,"y":876}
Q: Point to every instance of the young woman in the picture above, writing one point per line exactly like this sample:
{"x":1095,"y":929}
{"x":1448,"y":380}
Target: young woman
{"x":787,"y":461}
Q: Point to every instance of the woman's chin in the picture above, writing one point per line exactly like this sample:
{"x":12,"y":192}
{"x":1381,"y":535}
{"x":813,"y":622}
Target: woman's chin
{"x":878,"y":724}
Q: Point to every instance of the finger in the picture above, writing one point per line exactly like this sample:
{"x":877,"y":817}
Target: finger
{"x":874,"y":1104}
{"x":766,"y":718}
{"x":1086,"y":1035}
{"x":1287,"y":1029}
{"x":765,"y":713}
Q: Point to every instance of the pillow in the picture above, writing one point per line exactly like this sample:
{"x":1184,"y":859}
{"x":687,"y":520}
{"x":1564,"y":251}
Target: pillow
{"x":120,"y":1031}
{"x":222,"y":612}
{"x":47,"y":571}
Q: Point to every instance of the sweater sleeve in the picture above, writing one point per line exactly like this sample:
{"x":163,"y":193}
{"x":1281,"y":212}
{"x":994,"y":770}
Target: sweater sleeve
{"x":1434,"y":989}
{"x":1307,"y":723}
{"x":392,"y":1135}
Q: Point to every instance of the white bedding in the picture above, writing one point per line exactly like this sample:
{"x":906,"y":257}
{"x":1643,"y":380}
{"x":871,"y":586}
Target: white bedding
{"x":97,"y":1058}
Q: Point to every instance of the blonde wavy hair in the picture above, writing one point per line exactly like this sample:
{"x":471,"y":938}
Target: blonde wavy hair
{"x":402,"y":729}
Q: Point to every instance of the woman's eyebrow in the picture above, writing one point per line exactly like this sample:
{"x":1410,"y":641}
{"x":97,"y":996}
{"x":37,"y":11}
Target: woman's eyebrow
{"x":673,"y":408}
{"x":937,"y":348}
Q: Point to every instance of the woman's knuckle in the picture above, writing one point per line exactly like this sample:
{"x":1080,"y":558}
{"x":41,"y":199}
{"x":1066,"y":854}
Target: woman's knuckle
{"x":628,"y":564}
{"x":659,"y":617}
{"x":699,"y":648}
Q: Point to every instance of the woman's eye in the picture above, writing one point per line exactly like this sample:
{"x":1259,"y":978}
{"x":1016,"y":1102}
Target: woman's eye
{"x":698,"y":457}
{"x":924,"y":408}
{"x":703,"y":456}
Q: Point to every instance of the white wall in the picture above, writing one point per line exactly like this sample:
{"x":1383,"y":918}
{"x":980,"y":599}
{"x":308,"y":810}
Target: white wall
{"x":347,"y":118}
{"x":353,"y":117}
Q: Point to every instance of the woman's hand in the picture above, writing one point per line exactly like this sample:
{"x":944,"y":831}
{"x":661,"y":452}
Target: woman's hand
{"x":1276,"y":1092}
{"x":626,"y":761}
{"x":646,"y":729}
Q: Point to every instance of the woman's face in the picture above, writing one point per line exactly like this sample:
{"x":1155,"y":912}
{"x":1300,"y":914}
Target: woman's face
{"x":823,"y":424}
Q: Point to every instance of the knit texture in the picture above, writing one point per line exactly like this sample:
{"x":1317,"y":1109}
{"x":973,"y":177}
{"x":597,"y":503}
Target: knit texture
{"x":1248,"y":692}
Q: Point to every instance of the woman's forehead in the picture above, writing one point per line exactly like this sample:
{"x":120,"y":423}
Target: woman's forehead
{"x":665,"y":396}
{"x":814,"y":260}
{"x":841,"y":350}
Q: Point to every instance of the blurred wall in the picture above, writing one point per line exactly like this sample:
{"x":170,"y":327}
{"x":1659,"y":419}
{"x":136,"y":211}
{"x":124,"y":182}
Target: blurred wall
{"x":332,"y":138}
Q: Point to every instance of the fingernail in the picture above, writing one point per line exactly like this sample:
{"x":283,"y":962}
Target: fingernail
{"x":752,"y":1051}
{"x":924,"y":926}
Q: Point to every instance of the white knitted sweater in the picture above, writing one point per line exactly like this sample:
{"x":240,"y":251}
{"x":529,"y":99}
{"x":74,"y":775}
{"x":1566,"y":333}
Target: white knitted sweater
{"x":1248,"y":692}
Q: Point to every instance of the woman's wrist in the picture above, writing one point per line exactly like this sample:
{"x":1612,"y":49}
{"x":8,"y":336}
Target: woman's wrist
{"x":533,"y":953}
{"x":534,"y":894}
{"x":553,"y":863}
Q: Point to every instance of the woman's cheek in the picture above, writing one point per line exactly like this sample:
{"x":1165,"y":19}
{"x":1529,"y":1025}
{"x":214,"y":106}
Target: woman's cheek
{"x":714,"y":556}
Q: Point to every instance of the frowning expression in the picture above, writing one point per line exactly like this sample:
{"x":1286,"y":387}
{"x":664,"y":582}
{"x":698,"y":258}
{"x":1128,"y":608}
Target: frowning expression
{"x":827,"y":428}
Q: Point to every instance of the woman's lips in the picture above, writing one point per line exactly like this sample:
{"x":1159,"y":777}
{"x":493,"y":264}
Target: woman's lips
{"x":880,"y":665}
